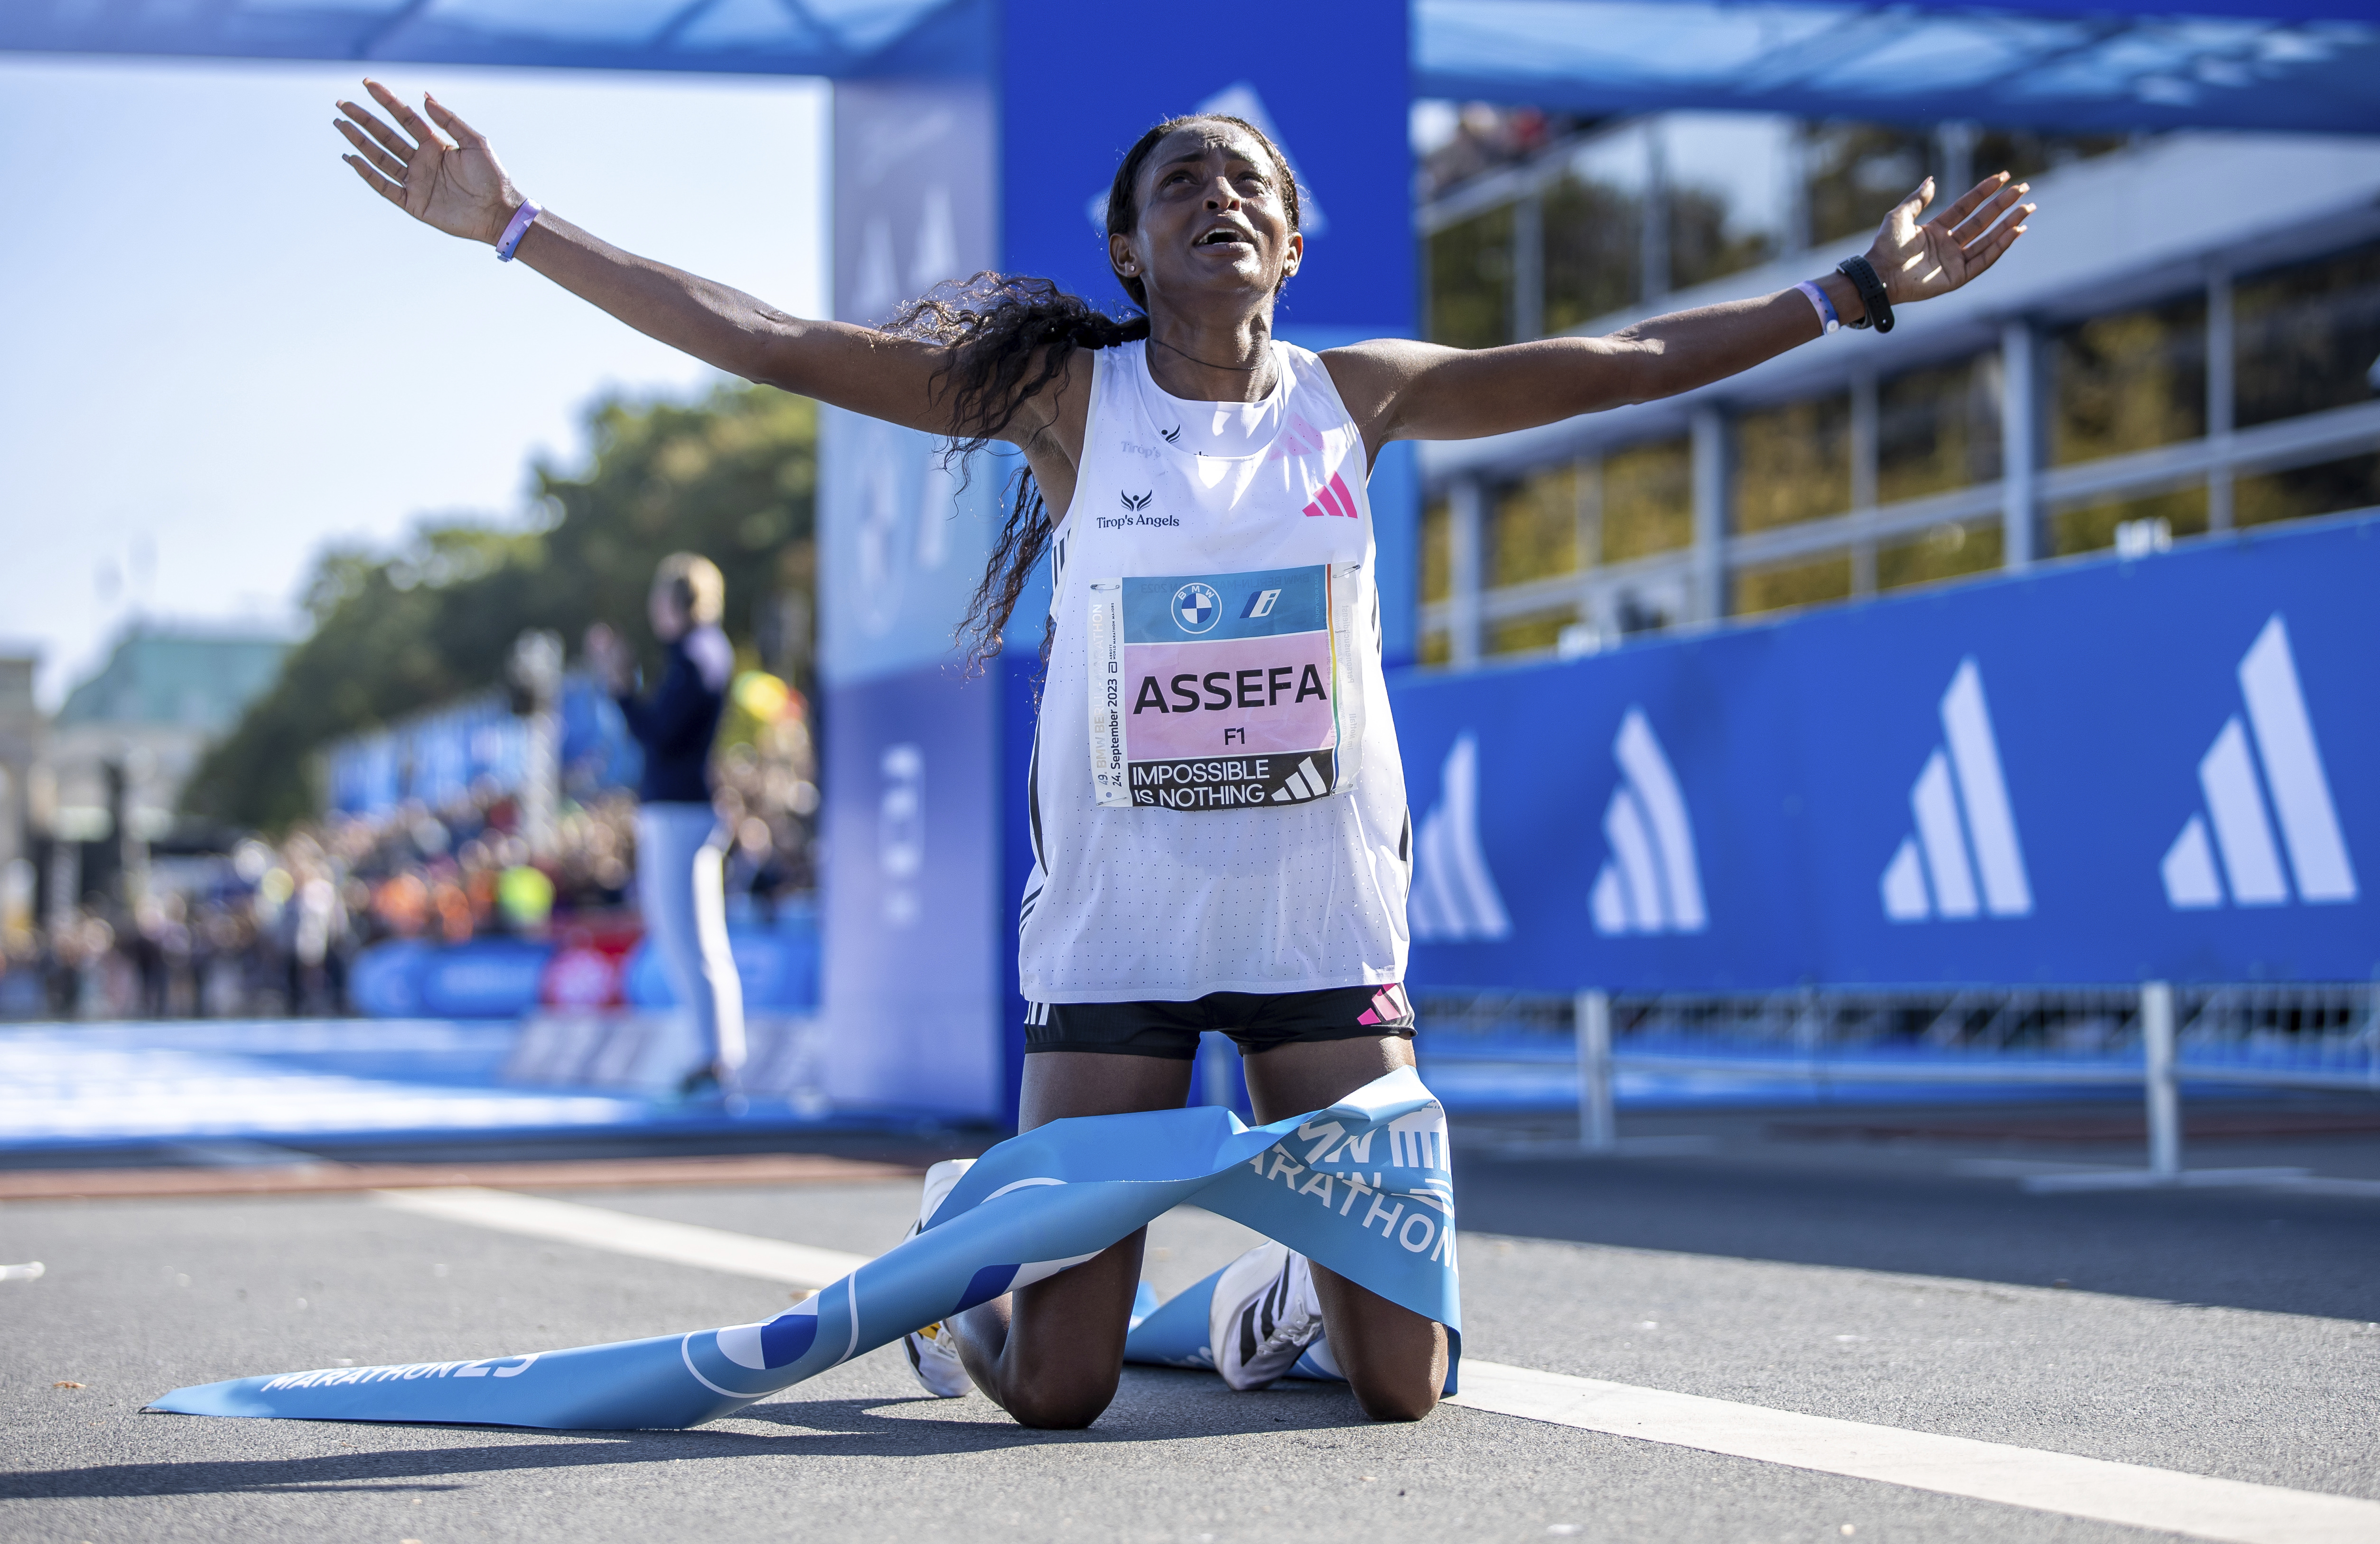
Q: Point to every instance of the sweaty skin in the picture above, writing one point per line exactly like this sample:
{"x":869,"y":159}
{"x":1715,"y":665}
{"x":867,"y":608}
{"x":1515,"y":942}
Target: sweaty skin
{"x":1213,"y":247}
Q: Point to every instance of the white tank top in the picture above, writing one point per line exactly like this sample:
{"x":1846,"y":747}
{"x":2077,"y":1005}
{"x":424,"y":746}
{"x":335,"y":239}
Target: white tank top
{"x":1217,"y":800}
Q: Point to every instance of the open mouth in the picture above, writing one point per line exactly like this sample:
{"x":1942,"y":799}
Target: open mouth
{"x":1225,"y":235}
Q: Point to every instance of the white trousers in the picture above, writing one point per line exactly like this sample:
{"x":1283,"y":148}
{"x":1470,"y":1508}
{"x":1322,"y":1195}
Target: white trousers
{"x":680,"y":855}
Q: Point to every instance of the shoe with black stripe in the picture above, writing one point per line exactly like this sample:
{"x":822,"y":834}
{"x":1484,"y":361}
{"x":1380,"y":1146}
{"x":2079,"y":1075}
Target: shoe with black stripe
{"x":933,"y":1353}
{"x":1264,"y":1315}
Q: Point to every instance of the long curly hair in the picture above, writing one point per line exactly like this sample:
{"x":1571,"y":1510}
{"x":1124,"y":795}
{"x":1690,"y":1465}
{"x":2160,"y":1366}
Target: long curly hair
{"x":1008,"y":337}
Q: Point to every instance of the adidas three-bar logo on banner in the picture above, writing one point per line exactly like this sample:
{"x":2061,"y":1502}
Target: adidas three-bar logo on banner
{"x":1332,"y":499}
{"x":1970,"y":814}
{"x":1651,"y":882}
{"x":2283,"y":732}
{"x":1454,"y":897}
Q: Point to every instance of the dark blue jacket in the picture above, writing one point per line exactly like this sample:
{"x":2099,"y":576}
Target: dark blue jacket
{"x":677,"y":725}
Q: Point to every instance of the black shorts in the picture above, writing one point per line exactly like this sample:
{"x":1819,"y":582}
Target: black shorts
{"x":1255,"y":1021}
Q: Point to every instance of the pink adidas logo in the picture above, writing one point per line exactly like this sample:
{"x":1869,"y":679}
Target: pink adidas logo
{"x":1333,"y":499}
{"x":1390,"y":1008}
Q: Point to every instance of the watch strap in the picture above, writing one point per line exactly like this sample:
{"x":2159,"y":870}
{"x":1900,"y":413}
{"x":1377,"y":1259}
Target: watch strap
{"x":1862,"y":275}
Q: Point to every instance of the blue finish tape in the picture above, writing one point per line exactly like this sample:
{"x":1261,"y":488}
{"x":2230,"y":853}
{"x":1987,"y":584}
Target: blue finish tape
{"x":1362,"y":1187}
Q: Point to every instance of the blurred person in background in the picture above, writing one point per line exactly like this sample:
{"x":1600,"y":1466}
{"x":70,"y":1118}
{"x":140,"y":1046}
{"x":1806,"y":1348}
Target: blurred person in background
{"x":681,"y":842}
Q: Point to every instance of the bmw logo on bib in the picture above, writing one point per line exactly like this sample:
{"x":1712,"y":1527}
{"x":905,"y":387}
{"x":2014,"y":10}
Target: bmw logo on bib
{"x":1196,"y":606}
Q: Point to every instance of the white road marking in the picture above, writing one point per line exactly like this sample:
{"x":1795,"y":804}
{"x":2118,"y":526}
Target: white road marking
{"x":2131,"y":1494}
{"x":769,"y":1259}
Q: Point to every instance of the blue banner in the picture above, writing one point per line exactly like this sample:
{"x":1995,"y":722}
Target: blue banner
{"x":2110,"y":771}
{"x":1363,"y":1188}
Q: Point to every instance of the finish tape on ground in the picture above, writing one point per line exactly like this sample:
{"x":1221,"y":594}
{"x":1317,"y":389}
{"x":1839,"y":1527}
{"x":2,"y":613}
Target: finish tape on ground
{"x":1363,"y":1187}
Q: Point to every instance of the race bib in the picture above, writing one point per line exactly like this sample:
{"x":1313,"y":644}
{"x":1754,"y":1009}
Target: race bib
{"x":1223,"y":691}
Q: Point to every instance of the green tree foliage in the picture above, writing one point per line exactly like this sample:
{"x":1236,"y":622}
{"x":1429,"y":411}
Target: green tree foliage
{"x":729,"y":476}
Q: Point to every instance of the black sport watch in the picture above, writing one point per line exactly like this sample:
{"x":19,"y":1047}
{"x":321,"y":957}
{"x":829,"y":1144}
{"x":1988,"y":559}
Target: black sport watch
{"x":1861,"y":274}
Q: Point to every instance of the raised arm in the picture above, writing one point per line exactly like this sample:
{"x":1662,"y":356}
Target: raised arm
{"x":1399,"y":390}
{"x":461,"y":188}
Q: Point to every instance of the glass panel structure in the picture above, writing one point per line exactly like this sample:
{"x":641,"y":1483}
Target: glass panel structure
{"x":1856,"y":170}
{"x":1595,"y":241}
{"x":1793,"y":463}
{"x":2352,"y":483}
{"x":1437,"y":551}
{"x":1533,"y":531}
{"x":1807,"y":582}
{"x":1470,"y":281}
{"x":2131,"y":380}
{"x":2307,"y":337}
{"x":1947,"y":551}
{"x":1937,"y":430}
{"x":2087,"y":527}
{"x":1727,"y":173}
{"x":1525,"y":634}
{"x":1648,"y":501}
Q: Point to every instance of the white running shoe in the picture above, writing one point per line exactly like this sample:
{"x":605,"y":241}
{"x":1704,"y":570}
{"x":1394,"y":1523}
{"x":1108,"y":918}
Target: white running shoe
{"x":1263,"y":1316}
{"x":933,"y":1355}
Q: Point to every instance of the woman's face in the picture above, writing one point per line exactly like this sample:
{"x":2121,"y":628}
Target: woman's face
{"x":1214,"y":221}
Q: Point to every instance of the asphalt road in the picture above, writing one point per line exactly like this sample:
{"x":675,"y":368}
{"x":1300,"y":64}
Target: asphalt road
{"x":2224,"y":1333}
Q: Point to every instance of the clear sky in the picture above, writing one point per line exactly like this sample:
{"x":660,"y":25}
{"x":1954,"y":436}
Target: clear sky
{"x":218,"y":350}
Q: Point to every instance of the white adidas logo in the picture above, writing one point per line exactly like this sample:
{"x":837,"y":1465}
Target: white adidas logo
{"x":1454,"y":898}
{"x":1650,"y":884}
{"x":2300,"y":795}
{"x":1238,"y":100}
{"x":1981,"y":794}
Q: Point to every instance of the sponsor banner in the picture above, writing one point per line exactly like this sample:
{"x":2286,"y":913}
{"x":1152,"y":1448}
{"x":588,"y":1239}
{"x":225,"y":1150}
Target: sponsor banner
{"x":2106,"y":771}
{"x":1216,"y":691}
{"x":1363,"y":1188}
{"x":913,"y":947}
{"x":1234,"y":782}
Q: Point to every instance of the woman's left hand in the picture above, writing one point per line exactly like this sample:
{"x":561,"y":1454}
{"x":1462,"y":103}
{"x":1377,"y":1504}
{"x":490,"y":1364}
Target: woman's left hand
{"x":1917,"y":262}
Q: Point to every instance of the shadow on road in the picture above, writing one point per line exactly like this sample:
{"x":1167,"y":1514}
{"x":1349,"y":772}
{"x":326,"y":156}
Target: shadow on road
{"x":1153,"y":1405}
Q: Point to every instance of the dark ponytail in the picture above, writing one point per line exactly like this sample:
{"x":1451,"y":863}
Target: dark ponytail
{"x":1008,"y":337}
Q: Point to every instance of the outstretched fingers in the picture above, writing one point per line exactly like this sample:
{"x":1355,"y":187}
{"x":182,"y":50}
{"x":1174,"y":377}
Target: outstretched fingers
{"x":405,"y":116}
{"x":451,"y":123}
{"x":388,"y":165}
{"x":390,"y":140}
{"x":392,"y":192}
{"x":1987,"y":248}
{"x":1956,"y":215}
{"x":1985,"y":214}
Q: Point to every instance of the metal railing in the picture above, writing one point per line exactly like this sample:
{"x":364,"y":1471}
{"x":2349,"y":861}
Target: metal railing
{"x":2156,"y":1036}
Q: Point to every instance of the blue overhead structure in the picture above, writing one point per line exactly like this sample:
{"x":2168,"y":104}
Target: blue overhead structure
{"x":2095,"y":65}
{"x":977,"y":134}
{"x":2100,"y":65}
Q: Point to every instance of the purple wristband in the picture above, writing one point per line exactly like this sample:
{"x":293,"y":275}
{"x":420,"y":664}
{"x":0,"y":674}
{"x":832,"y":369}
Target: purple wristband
{"x":522,"y":217}
{"x":1827,"y":321}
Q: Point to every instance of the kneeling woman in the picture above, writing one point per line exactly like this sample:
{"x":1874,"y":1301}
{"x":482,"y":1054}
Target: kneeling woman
{"x":1219,"y":831}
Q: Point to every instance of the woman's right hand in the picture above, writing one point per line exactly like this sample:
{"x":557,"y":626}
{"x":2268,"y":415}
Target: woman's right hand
{"x":461,"y":188}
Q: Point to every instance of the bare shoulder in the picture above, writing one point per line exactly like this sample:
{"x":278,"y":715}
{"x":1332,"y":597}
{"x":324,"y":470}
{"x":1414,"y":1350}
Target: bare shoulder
{"x":1374,"y":376}
{"x":1377,"y":361}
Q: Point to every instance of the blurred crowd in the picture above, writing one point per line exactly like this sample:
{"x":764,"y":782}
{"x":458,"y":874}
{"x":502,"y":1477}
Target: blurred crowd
{"x":272,"y":928}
